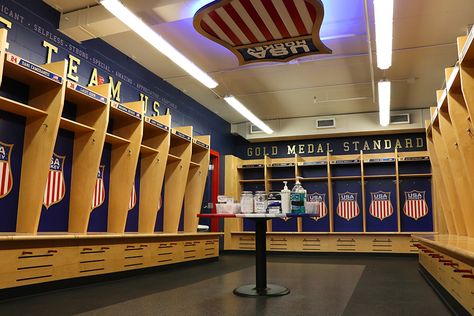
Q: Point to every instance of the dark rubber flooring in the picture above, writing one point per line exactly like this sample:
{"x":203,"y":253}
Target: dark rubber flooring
{"x":319,"y":284}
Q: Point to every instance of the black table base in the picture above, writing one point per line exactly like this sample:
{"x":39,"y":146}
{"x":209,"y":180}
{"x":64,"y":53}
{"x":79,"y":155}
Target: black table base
{"x":261,"y":288}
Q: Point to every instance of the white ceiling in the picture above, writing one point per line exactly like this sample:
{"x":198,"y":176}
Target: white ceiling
{"x":424,"y":44}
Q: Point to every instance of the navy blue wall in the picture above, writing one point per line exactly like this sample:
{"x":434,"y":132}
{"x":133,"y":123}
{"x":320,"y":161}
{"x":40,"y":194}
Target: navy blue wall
{"x":35,"y":22}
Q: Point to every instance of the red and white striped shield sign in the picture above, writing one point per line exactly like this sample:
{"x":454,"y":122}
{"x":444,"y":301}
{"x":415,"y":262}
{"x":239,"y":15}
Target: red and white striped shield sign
{"x":415,"y":204}
{"x":99,"y":190}
{"x":347,"y":207}
{"x":133,"y":198}
{"x":321,"y":198}
{"x":55,"y":186}
{"x":381,"y":206}
{"x":6,"y":178}
{"x":264,"y":30}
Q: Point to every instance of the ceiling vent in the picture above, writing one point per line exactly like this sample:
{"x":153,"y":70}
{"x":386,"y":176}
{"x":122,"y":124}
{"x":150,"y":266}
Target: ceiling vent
{"x":326,"y":123}
{"x":255,"y":130}
{"x":400,"y":119}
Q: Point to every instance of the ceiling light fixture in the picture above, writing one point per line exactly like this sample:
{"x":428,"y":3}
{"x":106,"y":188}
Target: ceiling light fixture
{"x":383,"y":10}
{"x":138,"y":26}
{"x":239,"y":107}
{"x":384,"y":87}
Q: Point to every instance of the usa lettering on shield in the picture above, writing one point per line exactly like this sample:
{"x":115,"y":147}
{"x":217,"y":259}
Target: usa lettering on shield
{"x":415,"y":204}
{"x":347,"y":207}
{"x":99,"y":189}
{"x":322,"y":209}
{"x":55,"y":186}
{"x":381,"y":206}
{"x":6,"y":177}
{"x":133,"y":198}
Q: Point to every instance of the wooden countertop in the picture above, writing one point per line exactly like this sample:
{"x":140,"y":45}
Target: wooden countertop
{"x":459,"y":247}
{"x":333,"y":233}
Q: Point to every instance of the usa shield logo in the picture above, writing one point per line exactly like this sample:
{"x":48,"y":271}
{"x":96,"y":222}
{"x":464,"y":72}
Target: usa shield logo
{"x":264,"y":30}
{"x":99,"y":189}
{"x":347,"y":208}
{"x":415,"y":204}
{"x":55,"y":186}
{"x":381,"y":206}
{"x":133,"y":198}
{"x":6,"y":177}
{"x":322,"y":210}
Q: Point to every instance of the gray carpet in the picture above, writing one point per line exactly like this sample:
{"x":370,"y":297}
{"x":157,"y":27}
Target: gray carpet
{"x":320,"y":285}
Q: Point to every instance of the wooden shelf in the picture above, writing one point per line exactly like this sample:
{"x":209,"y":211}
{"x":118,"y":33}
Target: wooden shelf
{"x":346,"y":177}
{"x":26,"y":72}
{"x":193,"y":164}
{"x":18,"y":108}
{"x":177,"y":137}
{"x":314,"y":179}
{"x":115,"y":140}
{"x":75,"y":127}
{"x":282,"y":179}
{"x":380,"y":176}
{"x":252,"y":166}
{"x":415,"y":175}
{"x":148,"y":150}
{"x":120,"y":110}
{"x":78,"y":94}
{"x":154,"y":126}
{"x":173,"y":158}
{"x":252,"y":181}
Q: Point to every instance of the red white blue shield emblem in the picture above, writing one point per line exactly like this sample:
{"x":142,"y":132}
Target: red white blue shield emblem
{"x":322,"y":210}
{"x":415,"y":204}
{"x":381,"y":206}
{"x":6,"y":178}
{"x":55,"y":186}
{"x":99,"y":189}
{"x":133,"y":198}
{"x":347,"y":207}
{"x":264,"y":30}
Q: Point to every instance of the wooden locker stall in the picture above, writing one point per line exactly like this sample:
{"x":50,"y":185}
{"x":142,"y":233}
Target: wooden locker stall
{"x":42,"y":112}
{"x":176,"y":175}
{"x":198,"y":170}
{"x":125,"y":133}
{"x":89,"y":127}
{"x":154,"y":155}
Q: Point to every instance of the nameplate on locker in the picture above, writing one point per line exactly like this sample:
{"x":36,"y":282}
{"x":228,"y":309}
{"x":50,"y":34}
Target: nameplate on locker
{"x":76,"y":87}
{"x":33,"y":68}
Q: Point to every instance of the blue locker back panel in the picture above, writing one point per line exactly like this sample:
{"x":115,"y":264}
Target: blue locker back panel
{"x":386,"y":168}
{"x":320,"y":224}
{"x":249,"y":225}
{"x":407,"y":167}
{"x":381,"y":221}
{"x":99,"y":215}
{"x":159,"y":217}
{"x":181,"y":220}
{"x":282,"y":172}
{"x":345,"y":170}
{"x":285,"y":225}
{"x":341,"y":224}
{"x":132,"y":217}
{"x":409,"y":223}
{"x":12,"y":132}
{"x":313,"y":171}
{"x":56,"y":217}
{"x":252,"y":173}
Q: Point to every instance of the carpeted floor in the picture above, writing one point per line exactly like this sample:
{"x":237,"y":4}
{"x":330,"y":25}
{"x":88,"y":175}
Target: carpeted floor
{"x":319,"y":284}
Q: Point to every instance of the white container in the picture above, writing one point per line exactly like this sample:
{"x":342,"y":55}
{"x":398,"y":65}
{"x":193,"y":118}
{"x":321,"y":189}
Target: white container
{"x":225,"y":199}
{"x":246,"y":202}
{"x":285,"y":199}
{"x":228,"y":208}
{"x":260,"y":202}
{"x":312,"y":207}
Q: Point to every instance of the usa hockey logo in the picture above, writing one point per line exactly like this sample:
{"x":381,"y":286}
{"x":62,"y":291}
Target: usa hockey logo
{"x":55,"y":186}
{"x":6,"y":178}
{"x":133,"y":198}
{"x":264,"y":30}
{"x":347,"y":207}
{"x":415,"y":204}
{"x":381,"y":206}
{"x":322,"y":210}
{"x":99,"y":190}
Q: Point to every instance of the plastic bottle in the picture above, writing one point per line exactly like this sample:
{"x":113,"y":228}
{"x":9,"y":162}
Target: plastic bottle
{"x":297,"y":198}
{"x":285,"y":199}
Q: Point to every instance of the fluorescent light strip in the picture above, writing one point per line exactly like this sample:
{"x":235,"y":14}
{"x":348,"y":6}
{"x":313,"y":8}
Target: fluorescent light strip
{"x":383,"y":11}
{"x":138,"y":26}
{"x":239,"y":107}
{"x":384,"y":102}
